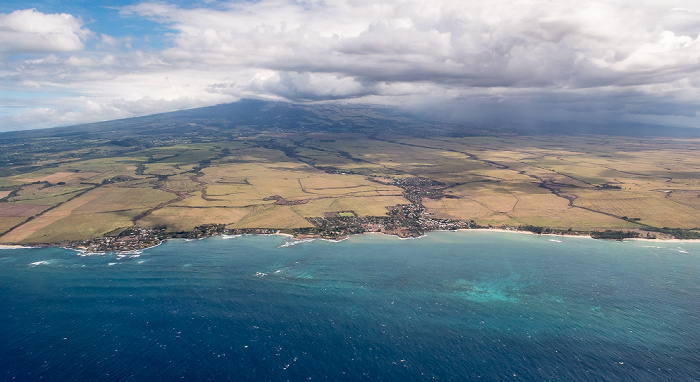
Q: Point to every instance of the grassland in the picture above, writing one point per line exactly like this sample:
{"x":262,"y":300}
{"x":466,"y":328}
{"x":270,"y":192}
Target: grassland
{"x":280,"y":181}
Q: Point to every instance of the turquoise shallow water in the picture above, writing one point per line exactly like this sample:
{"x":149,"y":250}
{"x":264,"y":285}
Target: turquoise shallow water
{"x":450,"y":306}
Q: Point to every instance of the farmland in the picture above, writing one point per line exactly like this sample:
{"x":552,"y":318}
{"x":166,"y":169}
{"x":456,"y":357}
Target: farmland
{"x":292,"y":180}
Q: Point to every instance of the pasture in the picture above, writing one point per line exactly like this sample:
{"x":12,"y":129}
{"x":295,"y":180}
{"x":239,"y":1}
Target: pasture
{"x":277,"y":181}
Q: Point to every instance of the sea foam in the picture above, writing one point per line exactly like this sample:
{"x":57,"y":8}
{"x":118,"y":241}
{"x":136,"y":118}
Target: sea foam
{"x":292,"y":242}
{"x":42,"y":262}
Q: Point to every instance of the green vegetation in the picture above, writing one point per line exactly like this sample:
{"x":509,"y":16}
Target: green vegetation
{"x":614,"y":235}
{"x":683,"y":234}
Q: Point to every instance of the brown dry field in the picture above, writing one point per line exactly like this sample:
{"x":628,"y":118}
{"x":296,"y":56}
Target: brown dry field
{"x":186,"y":218}
{"x":93,"y":214}
{"x":586,"y":183}
{"x":6,"y":223}
{"x":16,"y":210}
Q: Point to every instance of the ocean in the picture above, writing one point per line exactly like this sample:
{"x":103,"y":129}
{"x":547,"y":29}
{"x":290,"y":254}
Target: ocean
{"x":469,"y":305}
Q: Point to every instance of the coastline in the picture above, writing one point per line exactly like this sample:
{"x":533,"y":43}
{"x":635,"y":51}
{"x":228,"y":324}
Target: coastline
{"x":498,"y":230}
{"x":293,"y":239}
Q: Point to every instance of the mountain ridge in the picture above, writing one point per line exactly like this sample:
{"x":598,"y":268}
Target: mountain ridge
{"x":251,"y":113}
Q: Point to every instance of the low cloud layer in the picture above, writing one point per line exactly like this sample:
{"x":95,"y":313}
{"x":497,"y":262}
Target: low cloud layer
{"x":501,"y":61}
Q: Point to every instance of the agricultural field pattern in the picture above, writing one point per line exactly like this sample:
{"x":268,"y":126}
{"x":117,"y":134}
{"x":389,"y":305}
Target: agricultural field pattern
{"x":336,"y":176}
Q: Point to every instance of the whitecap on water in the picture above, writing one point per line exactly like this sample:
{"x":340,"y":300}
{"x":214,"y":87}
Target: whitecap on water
{"x":230,"y":236}
{"x":42,"y":262}
{"x":291,"y":272}
{"x":335,"y":240}
{"x":85,"y":254}
{"x":14,"y":247}
{"x":291,"y":242}
{"x":126,"y":255}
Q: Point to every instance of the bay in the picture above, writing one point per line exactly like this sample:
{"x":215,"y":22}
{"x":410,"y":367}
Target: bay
{"x":450,"y":305}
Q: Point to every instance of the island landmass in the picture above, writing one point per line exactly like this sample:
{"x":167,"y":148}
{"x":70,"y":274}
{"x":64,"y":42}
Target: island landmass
{"x":329,"y":172}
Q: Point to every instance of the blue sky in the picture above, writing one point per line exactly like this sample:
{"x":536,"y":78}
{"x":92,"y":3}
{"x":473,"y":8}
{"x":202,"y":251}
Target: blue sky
{"x":99,"y":17}
{"x":501,"y":61}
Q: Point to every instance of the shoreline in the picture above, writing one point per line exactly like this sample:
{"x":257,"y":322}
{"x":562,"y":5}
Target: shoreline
{"x":657,"y":240}
{"x":499,"y":230}
{"x":294,"y":239}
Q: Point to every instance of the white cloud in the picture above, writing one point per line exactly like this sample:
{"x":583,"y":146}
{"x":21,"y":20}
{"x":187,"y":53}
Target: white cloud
{"x":30,"y":31}
{"x":552,"y":58}
{"x":497,"y":43}
{"x":108,"y":40}
{"x":90,"y":61}
{"x":307,"y":86}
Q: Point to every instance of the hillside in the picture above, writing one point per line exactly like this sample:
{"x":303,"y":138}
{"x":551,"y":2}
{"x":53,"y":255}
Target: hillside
{"x":334,"y":170}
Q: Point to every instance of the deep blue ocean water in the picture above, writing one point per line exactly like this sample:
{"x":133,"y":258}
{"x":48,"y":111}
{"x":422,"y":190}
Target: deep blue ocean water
{"x":449,"y":306}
